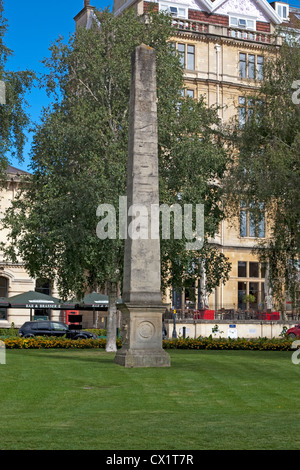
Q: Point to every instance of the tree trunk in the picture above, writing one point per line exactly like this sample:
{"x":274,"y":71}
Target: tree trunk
{"x":111,"y":336}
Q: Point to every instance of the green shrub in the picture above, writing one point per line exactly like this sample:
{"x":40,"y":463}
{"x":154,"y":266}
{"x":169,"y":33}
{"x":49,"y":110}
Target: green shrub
{"x":39,"y":342}
{"x":260,"y":344}
{"x":11,"y":332}
{"x":96,"y":331}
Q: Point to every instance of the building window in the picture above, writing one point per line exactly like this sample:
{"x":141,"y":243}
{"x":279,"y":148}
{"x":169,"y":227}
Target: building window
{"x":246,"y":110}
{"x":251,"y":66}
{"x":186,"y":55}
{"x":190,"y":57}
{"x":253,"y":269}
{"x":243,"y":65}
{"x":252,"y":223}
{"x":3,"y":293}
{"x":242,"y":111}
{"x":242,"y":291}
{"x":181,"y":53}
{"x":283,"y":10}
{"x":247,"y":286}
{"x":187,"y":92}
{"x":43,"y":286}
{"x":256,"y":269}
{"x":242,"y":269}
{"x":177,"y":11}
{"x":260,"y":67}
{"x":3,"y":286}
{"x":254,"y":290}
{"x":244,"y":23}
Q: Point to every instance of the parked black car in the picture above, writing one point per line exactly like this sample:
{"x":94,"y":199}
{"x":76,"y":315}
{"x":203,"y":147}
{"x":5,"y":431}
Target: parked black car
{"x":52,"y":328}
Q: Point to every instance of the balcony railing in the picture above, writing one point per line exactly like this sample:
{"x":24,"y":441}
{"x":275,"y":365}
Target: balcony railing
{"x":249,"y":35}
{"x":190,"y":25}
{"x":225,"y":31}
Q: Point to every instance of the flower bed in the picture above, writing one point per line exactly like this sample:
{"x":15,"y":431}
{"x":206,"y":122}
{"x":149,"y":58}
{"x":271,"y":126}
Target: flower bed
{"x":52,"y":342}
{"x":261,"y":344}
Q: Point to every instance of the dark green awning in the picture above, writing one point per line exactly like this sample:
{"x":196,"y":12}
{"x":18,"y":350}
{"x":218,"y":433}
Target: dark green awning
{"x":35,"y":300}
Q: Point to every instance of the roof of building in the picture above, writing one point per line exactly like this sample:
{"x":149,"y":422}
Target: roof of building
{"x":224,"y":7}
{"x":11,"y":170}
{"x":294,"y":18}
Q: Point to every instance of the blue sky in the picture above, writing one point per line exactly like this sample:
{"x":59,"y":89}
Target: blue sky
{"x":33,"y":25}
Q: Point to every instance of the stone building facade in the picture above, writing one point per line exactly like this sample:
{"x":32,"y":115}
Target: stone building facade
{"x":14,"y":279}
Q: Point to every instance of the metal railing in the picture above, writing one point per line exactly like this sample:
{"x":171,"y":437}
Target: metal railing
{"x":227,"y":314}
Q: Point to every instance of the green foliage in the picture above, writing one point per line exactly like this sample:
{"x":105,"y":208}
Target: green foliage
{"x":79,"y":159}
{"x":249,"y":298}
{"x":211,"y":343}
{"x":12,"y":331}
{"x":259,"y":344}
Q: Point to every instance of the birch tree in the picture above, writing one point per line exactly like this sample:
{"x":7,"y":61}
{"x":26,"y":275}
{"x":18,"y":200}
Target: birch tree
{"x":79,"y":158}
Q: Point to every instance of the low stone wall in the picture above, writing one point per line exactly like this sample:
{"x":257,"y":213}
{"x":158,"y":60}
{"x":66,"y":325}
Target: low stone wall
{"x":228,"y":328}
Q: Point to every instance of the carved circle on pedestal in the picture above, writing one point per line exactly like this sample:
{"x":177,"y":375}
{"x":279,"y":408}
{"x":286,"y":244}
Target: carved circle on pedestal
{"x":146,"y":330}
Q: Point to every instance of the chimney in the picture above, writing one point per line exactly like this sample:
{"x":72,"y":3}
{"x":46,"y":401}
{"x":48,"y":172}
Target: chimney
{"x":82,"y":18}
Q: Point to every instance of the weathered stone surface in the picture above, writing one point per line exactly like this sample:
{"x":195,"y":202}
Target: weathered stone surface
{"x":142,"y":309}
{"x":142,"y":337}
{"x":142,"y":277}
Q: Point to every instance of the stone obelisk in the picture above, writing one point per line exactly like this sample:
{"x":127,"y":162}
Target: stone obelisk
{"x":142,"y":306}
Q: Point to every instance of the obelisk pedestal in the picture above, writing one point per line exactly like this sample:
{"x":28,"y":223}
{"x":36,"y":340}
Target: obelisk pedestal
{"x":142,"y":306}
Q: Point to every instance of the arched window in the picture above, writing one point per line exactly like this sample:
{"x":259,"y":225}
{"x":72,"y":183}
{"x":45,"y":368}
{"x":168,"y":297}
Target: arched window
{"x":43,"y":286}
{"x":3,"y":293}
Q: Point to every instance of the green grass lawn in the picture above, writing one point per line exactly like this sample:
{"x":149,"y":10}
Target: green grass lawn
{"x":80,"y":399}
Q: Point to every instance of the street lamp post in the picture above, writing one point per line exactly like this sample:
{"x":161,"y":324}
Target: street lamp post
{"x":174,"y":334}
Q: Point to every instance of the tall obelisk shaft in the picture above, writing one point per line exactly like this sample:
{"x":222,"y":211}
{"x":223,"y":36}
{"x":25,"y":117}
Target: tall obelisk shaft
{"x":142,"y":280}
{"x":142,"y":303}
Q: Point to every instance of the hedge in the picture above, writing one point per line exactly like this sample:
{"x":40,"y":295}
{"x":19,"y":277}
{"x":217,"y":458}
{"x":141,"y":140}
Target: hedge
{"x":39,"y":342}
{"x":260,"y":344}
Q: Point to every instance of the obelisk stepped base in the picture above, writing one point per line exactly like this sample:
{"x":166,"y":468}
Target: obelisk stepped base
{"x":142,"y":337}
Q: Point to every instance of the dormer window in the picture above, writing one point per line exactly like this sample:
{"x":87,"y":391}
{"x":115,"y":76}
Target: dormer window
{"x":177,"y":11}
{"x":283,"y":10}
{"x":243,"y":23}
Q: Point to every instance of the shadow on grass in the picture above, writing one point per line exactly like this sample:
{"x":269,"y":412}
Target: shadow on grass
{"x":189,"y":361}
{"x":103,"y":357}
